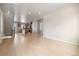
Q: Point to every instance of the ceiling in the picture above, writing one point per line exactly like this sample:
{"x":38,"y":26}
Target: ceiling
{"x":30,"y":10}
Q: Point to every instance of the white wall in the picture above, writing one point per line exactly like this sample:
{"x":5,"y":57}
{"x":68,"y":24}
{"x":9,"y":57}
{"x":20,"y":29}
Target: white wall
{"x":61,"y":24}
{"x":37,"y":26}
{"x":8,"y":23}
{"x":34,"y":26}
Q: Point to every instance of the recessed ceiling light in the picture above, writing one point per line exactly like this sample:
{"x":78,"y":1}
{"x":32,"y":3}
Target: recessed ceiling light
{"x":29,"y":12}
{"x":39,"y":13}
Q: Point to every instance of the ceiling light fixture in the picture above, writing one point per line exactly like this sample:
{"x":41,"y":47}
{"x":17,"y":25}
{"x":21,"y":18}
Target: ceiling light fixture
{"x":29,"y":12}
{"x":39,"y":13}
{"x":8,"y":12}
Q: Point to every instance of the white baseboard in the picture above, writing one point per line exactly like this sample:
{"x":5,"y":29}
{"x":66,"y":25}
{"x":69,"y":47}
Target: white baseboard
{"x":5,"y":37}
{"x":62,"y":40}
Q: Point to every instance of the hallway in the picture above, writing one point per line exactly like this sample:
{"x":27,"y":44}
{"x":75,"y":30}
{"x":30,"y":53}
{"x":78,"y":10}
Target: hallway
{"x":56,"y":24}
{"x":35,"y":45}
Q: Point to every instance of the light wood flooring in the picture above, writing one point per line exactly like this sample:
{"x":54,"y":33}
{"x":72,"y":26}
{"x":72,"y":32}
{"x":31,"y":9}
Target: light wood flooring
{"x":36,"y":45}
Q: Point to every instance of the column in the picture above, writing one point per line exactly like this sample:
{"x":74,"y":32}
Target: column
{"x":1,"y":24}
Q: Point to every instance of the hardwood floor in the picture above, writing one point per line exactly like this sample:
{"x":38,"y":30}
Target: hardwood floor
{"x":35,"y":45}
